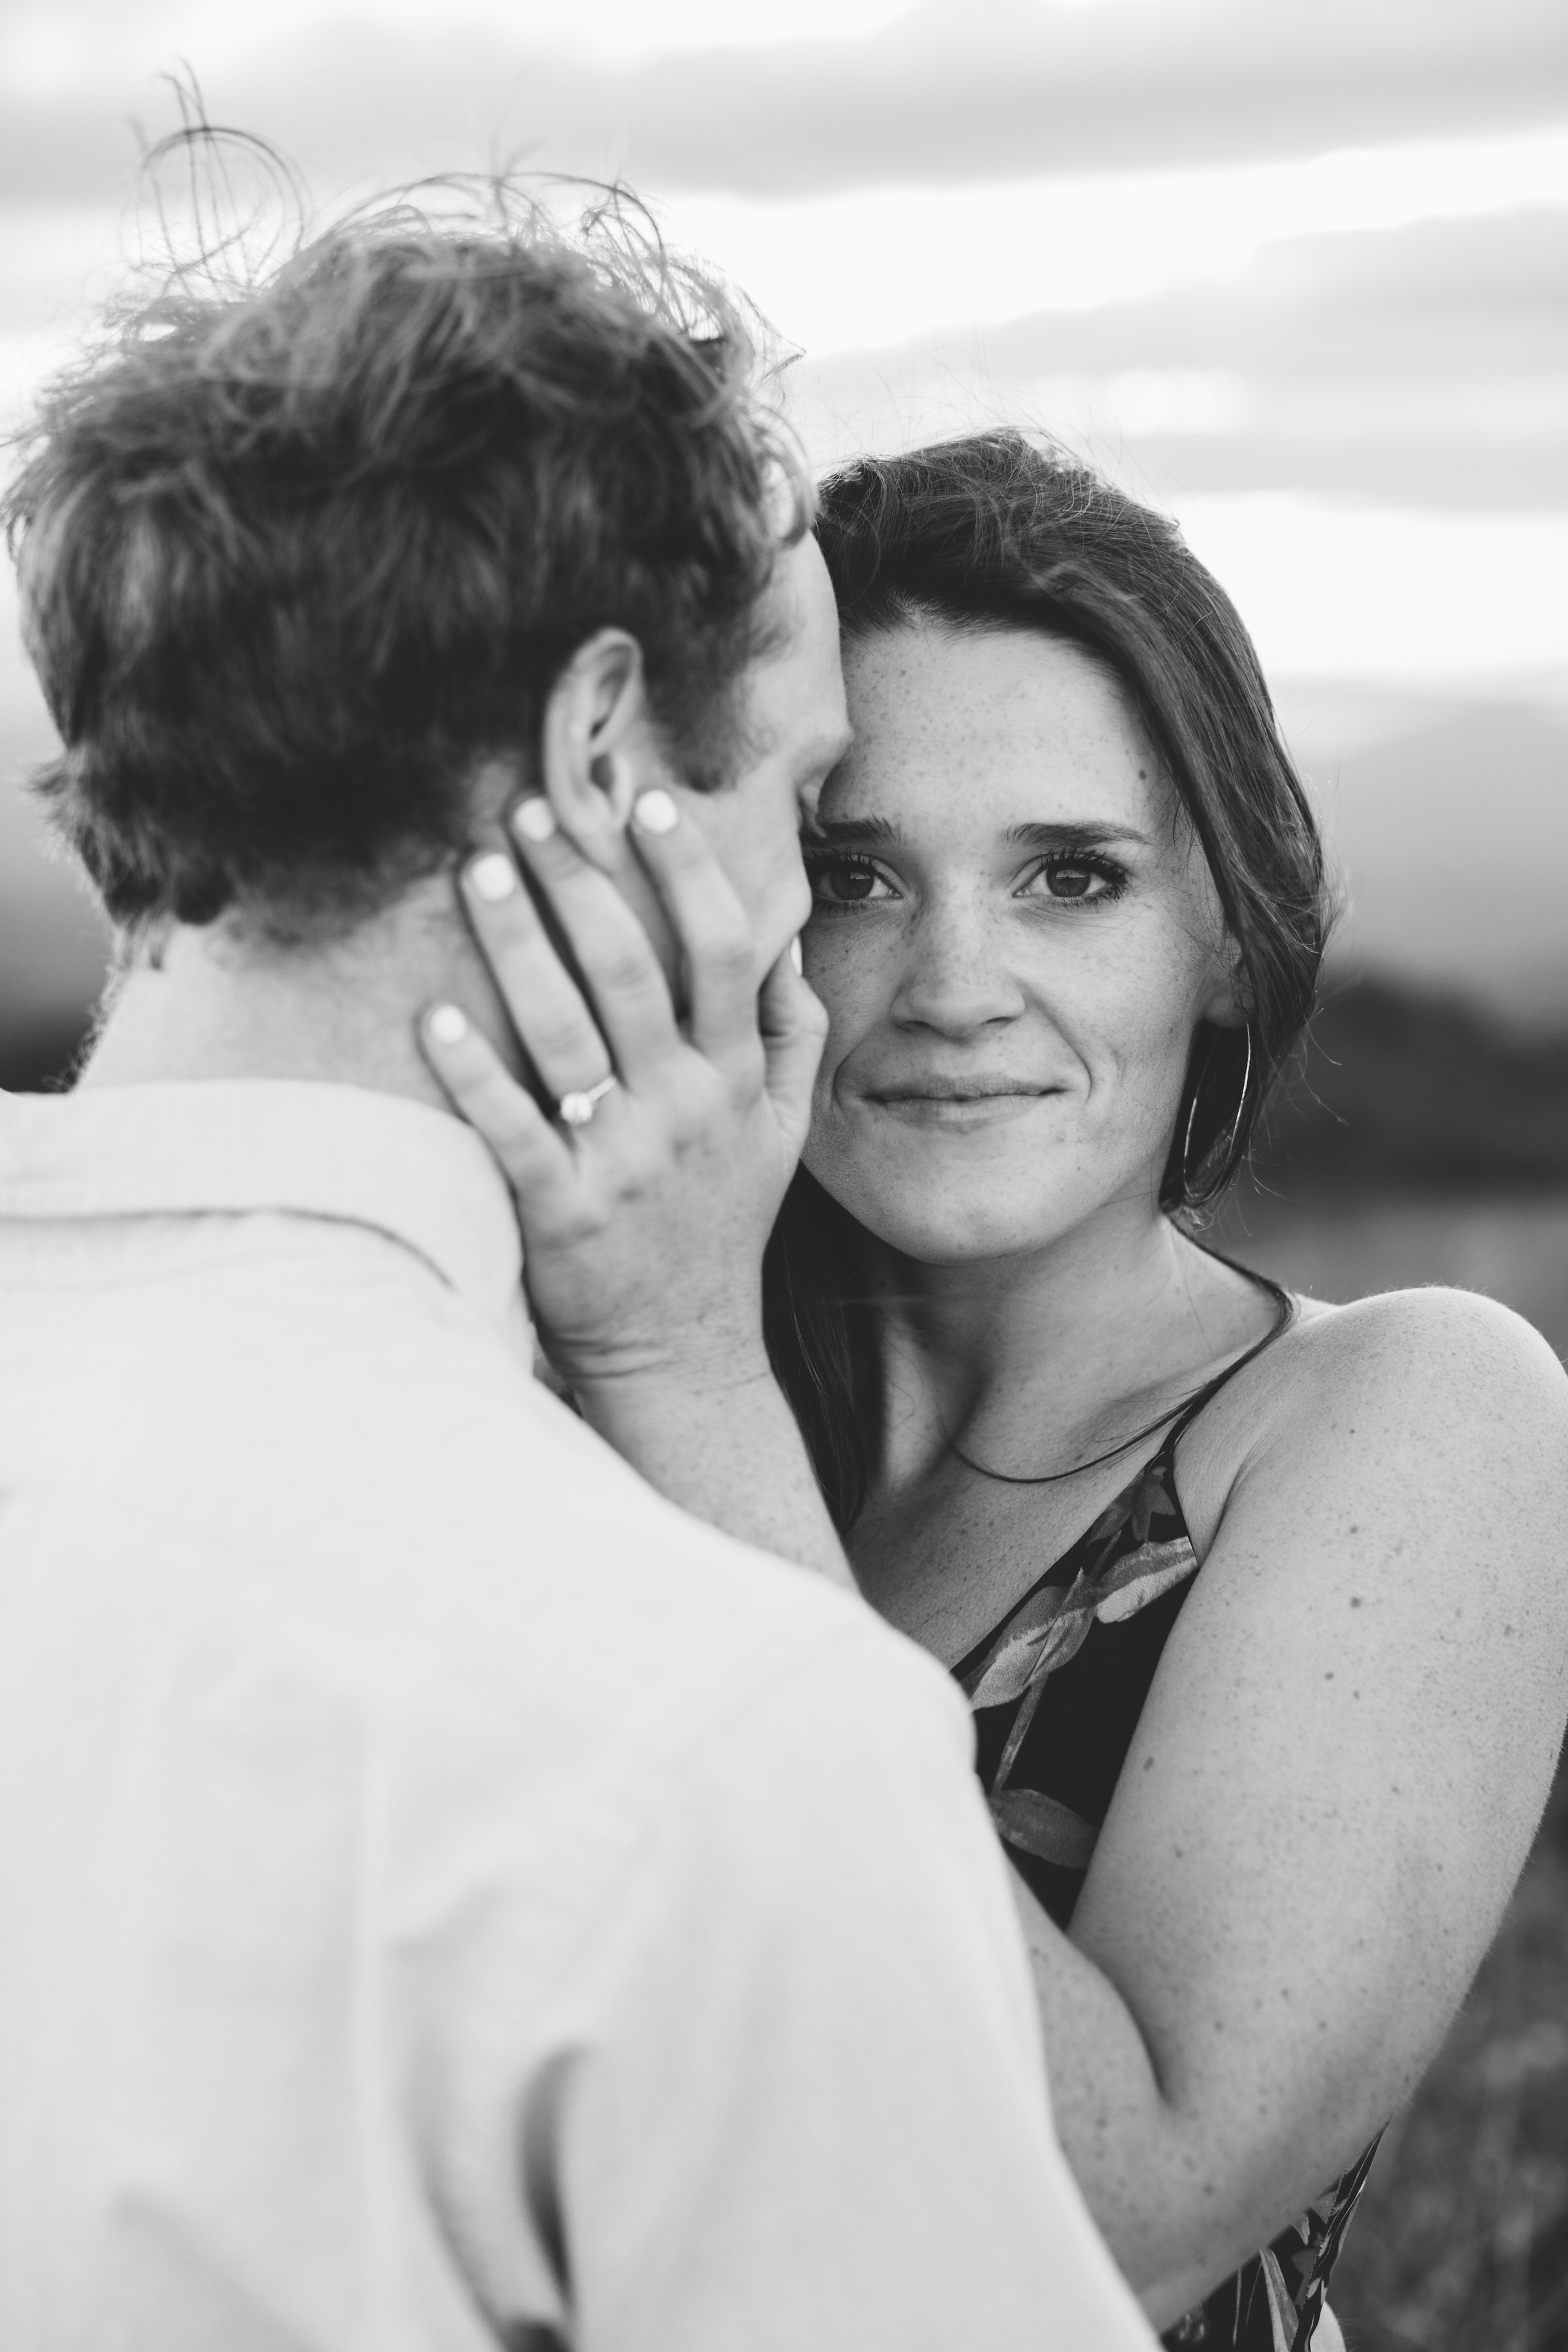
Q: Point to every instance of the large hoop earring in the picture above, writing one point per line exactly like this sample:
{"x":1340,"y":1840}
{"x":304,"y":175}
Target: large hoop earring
{"x":1235,"y":1124}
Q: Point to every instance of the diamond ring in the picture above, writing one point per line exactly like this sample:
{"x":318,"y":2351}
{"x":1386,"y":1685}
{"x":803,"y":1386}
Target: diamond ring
{"x":577,"y":1109}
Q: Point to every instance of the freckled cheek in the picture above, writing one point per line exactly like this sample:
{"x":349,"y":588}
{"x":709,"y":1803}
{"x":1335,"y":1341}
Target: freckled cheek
{"x":1132,"y":990}
{"x":852,"y":1012}
{"x":1142,"y":1060}
{"x":854,"y":986}
{"x":836,"y":1086}
{"x":1131,"y":1054}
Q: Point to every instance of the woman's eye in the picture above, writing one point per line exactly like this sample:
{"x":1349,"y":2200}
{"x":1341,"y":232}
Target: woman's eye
{"x":1079,"y":878}
{"x":845,"y":881}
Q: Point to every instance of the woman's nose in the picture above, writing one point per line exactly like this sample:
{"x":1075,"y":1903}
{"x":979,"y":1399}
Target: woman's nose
{"x":954,"y":980}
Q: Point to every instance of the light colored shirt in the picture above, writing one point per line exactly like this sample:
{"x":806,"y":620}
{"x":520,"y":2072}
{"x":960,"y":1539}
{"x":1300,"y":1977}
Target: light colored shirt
{"x":447,"y":1898}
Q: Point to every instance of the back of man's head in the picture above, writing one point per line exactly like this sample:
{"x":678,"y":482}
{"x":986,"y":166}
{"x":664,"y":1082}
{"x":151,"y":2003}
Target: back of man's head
{"x":298,"y":558}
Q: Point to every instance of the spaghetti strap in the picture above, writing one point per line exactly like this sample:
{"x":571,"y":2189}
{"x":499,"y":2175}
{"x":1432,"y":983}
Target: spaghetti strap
{"x":1285,"y":1315}
{"x":1176,"y":1420}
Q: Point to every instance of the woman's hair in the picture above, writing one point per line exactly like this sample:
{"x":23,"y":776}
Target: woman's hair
{"x":995,"y":531}
{"x":300,"y":547}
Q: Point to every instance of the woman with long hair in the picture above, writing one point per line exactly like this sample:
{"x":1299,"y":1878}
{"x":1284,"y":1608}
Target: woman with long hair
{"x":1257,"y":1602}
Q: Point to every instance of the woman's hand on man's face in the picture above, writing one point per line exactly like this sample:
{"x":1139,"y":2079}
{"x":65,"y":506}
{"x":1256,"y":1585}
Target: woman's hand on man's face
{"x":643,"y":1226}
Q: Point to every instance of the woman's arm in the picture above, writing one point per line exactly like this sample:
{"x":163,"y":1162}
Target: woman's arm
{"x":1350,"y":1736}
{"x":644,"y":1229}
{"x":1332,"y":1788}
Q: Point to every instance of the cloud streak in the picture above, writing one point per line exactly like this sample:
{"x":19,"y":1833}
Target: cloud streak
{"x":1420,"y":366}
{"x":958,"y":90}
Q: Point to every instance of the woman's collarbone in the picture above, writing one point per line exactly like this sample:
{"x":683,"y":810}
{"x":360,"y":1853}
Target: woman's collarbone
{"x":947,"y":1567}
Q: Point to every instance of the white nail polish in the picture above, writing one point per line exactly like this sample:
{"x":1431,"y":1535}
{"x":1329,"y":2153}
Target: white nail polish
{"x":448,"y":1025}
{"x":534,"y":819}
{"x":657,"y":813}
{"x":492,"y":877}
{"x":795,"y":956}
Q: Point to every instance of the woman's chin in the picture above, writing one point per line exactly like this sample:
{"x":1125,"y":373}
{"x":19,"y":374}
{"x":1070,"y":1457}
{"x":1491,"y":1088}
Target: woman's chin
{"x":947,"y":1232}
{"x":944,"y":1196}
{"x":981,"y":1245}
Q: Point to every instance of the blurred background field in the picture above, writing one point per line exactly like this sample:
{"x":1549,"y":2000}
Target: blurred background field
{"x":1423,"y":1142}
{"x":1294,"y":270}
{"x":1462,"y":2242}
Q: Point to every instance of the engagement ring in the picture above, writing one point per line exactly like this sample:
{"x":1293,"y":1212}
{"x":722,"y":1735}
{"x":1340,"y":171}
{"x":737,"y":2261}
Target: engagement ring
{"x":577,"y":1109}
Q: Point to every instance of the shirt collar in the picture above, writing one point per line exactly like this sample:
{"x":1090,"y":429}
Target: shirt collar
{"x":238,"y":1144}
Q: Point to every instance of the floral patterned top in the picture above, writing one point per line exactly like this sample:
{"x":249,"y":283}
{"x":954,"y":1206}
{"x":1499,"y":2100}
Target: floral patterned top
{"x":1056,"y":1692}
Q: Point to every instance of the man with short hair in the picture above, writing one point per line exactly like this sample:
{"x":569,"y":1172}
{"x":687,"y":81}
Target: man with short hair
{"x":452,"y":1898}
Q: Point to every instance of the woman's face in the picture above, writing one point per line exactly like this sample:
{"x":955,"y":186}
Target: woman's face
{"x":1015,"y":934}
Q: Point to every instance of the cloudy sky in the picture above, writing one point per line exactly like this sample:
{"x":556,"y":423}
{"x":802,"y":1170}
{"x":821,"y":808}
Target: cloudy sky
{"x":1295,"y":269}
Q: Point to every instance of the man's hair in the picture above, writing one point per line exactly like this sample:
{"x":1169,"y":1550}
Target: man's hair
{"x":297,"y":555}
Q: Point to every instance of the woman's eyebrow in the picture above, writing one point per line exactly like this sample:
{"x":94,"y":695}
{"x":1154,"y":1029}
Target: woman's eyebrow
{"x":1089,"y":833}
{"x":881,"y":832}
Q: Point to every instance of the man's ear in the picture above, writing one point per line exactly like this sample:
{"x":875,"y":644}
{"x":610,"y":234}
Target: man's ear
{"x":598,"y":745}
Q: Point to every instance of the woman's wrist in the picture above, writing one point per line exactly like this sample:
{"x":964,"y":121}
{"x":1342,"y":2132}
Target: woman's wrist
{"x":713,"y":1432}
{"x":658,"y":1376}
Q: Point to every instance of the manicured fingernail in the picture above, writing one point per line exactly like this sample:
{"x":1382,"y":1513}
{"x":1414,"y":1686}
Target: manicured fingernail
{"x":448,"y":1025}
{"x":533,"y":819}
{"x":657,"y":813}
{"x":493,"y":877}
{"x":795,"y":956}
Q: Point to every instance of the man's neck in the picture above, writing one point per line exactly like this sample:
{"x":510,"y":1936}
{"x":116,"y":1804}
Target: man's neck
{"x":216,"y":1003}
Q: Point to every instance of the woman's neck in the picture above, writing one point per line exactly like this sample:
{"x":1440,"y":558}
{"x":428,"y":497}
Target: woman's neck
{"x":1031,"y":1361}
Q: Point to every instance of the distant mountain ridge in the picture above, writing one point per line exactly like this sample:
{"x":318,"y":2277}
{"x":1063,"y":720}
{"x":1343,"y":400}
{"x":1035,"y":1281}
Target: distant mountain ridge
{"x":1403,"y":1092}
{"x":1453,"y":841}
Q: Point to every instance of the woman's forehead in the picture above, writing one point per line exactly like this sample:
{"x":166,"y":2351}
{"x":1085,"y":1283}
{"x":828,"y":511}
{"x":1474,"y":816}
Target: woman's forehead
{"x":998,"y":726}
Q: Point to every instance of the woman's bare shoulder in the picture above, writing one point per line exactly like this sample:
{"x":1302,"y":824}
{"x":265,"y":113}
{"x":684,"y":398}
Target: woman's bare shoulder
{"x":1436,"y":1392}
{"x":1434,"y":1346}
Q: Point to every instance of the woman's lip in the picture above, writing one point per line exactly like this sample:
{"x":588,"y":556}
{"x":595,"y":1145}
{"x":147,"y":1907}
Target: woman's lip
{"x":957,"y":1094}
{"x":959,"y":1110}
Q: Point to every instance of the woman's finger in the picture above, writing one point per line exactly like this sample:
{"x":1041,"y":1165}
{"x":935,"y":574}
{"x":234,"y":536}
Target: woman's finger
{"x":794,"y":1030}
{"x":709,"y":923}
{"x":615,"y":954}
{"x":534,"y":1156}
{"x":545,"y":1004}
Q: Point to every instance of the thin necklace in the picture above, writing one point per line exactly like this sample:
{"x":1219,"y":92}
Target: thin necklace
{"x":1049,"y":1477}
{"x":1285,"y":1315}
